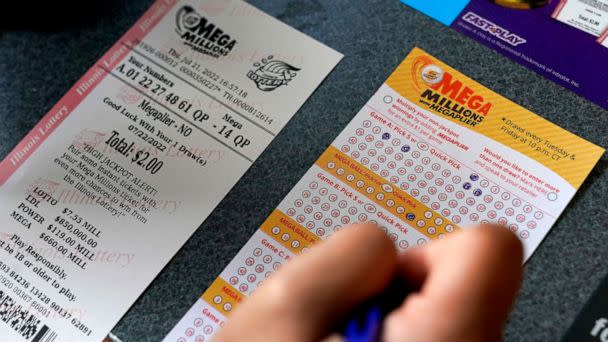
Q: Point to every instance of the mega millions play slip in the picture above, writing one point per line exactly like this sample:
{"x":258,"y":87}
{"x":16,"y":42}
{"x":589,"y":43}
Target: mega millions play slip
{"x":432,"y":152}
{"x":99,"y":196}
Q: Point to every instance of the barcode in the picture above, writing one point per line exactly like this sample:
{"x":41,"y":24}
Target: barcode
{"x":45,"y":335}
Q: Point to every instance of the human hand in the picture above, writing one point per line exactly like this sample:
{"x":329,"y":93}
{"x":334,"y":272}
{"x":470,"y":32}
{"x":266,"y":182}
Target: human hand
{"x":466,"y":286}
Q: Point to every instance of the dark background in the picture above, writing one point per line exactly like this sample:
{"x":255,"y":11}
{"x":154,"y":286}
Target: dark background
{"x":44,"y":51}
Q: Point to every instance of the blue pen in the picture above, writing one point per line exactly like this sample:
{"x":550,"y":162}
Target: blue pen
{"x":364,"y":324}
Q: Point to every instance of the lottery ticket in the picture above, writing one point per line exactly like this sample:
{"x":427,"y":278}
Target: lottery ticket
{"x":431,"y":152}
{"x":99,"y":196}
{"x":590,"y":16}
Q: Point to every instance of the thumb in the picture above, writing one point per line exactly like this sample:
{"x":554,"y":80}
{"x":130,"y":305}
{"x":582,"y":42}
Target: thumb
{"x":304,"y":300}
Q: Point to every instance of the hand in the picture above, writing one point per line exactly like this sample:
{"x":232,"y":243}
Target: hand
{"x":467,"y":283}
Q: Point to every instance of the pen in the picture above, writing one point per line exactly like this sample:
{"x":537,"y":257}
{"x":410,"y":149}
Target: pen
{"x":364,"y":323}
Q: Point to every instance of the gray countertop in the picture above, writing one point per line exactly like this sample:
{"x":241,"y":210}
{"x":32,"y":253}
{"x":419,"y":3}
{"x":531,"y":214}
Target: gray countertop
{"x":37,"y":68}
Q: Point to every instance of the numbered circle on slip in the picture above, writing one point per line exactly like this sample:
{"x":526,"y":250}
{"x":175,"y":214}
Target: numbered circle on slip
{"x":228,"y":306}
{"x":345,"y":148}
{"x":199,"y":338}
{"x":431,"y":230}
{"x":538,"y":215}
{"x":251,"y":278}
{"x":198,"y":322}
{"x":524,"y":234}
{"x":181,"y":339}
{"x":403,"y":244}
{"x":421,"y":223}
{"x":267,"y":259}
{"x":258,"y":251}
{"x":532,"y":225}
{"x":208,"y":329}
{"x":242,"y":271}
{"x":367,"y":124}
{"x":249,"y":261}
{"x":449,"y":228}
{"x":217,"y":299}
{"x":421,"y":242}
{"x":359,"y":131}
{"x":189,"y":332}
{"x":376,"y":130}
{"x":259,"y":268}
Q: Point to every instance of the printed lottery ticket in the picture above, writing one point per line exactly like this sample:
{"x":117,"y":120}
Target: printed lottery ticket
{"x":590,"y":16}
{"x":106,"y":188}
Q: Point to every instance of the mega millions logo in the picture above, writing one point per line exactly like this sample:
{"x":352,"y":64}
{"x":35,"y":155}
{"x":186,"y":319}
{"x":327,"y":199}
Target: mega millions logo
{"x":202,"y":35}
{"x":446,"y":94}
{"x":269,"y":74}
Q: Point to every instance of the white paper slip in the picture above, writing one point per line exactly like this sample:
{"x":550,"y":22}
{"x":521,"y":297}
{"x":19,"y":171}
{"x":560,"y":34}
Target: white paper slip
{"x":106,"y":188}
{"x":432,"y":152}
{"x":590,"y":16}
